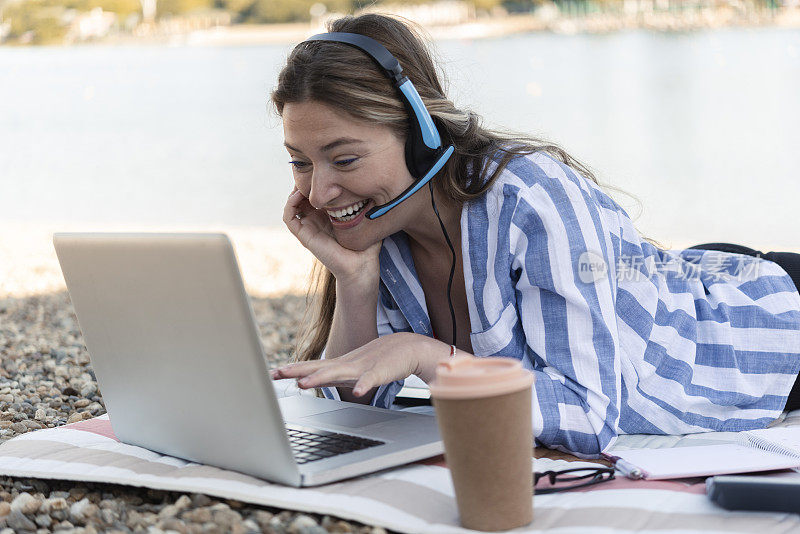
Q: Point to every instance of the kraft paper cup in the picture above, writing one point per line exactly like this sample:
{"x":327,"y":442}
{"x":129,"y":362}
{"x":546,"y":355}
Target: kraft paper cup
{"x":483,"y":407}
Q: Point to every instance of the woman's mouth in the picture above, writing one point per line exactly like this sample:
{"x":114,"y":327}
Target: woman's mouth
{"x":352,"y":218}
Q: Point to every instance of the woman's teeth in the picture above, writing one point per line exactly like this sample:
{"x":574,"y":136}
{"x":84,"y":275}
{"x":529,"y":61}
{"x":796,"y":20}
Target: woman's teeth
{"x":348,"y":213}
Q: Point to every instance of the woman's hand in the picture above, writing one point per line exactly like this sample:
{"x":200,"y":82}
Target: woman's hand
{"x":382,"y":360}
{"x":315,"y":232}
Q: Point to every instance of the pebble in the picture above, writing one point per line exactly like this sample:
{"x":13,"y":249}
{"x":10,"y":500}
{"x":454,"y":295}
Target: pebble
{"x":183,"y":502}
{"x":263,"y":518}
{"x":250,"y":526}
{"x":226,"y":518}
{"x":171,"y":524}
{"x":168,"y":511}
{"x":75,"y":417}
{"x":134,"y":520}
{"x":43,"y":520}
{"x":18,"y":521}
{"x":19,"y":428}
{"x":54,"y":504}
{"x":199,"y":500}
{"x":33,"y":425}
{"x":333,"y":525}
{"x":77,"y":493}
{"x":108,"y":516}
{"x":300,"y":524}
{"x":198,"y":515}
{"x":26,"y":503}
{"x":81,"y":511}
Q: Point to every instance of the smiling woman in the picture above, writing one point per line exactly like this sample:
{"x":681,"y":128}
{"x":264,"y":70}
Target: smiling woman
{"x":622,"y":335}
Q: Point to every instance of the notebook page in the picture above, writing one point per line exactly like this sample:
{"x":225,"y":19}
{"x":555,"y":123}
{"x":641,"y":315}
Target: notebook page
{"x":784,"y":440}
{"x":705,"y":460}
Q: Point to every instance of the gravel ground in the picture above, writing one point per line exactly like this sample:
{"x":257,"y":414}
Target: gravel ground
{"x":46,"y":381}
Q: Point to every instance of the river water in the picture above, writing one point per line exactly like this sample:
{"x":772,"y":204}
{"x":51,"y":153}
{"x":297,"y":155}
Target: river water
{"x":703,"y":128}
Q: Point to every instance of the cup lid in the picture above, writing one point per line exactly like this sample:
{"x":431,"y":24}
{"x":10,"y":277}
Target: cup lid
{"x":467,"y":377}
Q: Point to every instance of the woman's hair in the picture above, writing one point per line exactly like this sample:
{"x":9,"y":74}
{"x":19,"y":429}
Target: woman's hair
{"x":348,"y":80}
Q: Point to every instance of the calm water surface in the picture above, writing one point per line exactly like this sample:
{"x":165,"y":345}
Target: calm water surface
{"x":704,"y":128}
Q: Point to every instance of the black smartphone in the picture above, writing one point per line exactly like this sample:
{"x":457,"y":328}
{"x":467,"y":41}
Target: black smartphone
{"x":779,"y":493}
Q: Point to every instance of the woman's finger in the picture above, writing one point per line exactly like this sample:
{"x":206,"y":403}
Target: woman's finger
{"x":299,"y":369}
{"x":341,"y":374}
{"x":312,"y":229}
{"x":331,"y":384}
{"x":291,"y":209}
{"x":365,"y":383}
{"x":297,"y":205}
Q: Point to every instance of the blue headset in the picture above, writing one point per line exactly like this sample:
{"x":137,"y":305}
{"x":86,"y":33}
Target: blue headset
{"x":425,"y":155}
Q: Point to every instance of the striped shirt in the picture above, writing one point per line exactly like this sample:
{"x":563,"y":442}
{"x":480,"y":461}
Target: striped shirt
{"x":623,"y":337}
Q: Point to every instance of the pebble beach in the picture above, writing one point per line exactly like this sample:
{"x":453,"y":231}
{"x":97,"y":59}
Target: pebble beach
{"x":46,"y":380}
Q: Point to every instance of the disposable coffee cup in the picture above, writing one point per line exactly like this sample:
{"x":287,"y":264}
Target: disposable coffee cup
{"x":483,"y":407}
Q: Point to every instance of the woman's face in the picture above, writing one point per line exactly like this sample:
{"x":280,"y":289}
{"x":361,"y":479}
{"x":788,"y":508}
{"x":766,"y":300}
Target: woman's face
{"x":338,"y":161}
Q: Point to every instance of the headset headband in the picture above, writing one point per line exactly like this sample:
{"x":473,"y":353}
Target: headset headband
{"x":373,"y":48}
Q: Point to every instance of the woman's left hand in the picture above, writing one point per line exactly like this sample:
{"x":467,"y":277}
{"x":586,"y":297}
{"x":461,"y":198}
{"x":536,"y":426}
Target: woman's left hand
{"x":382,"y":360}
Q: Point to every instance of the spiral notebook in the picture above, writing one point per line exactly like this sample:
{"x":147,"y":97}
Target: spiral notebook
{"x":756,"y":450}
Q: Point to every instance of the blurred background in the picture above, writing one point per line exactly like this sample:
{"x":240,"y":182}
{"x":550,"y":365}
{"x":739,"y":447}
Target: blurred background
{"x":153,"y":114}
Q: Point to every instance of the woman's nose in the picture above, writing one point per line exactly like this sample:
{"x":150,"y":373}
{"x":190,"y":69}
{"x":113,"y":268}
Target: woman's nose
{"x":323,"y":189}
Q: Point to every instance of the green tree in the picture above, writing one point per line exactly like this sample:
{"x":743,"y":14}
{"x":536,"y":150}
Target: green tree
{"x":267,"y":11}
{"x":123,"y":8}
{"x":39,"y":20}
{"x":520,"y":6}
{"x":486,"y":5}
{"x":179,"y":7}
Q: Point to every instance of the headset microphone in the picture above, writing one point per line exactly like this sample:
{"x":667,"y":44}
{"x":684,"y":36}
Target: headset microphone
{"x":425,"y":154}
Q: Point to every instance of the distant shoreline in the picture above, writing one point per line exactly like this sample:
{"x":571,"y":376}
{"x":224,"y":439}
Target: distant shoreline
{"x":480,"y":28}
{"x":272,"y":260}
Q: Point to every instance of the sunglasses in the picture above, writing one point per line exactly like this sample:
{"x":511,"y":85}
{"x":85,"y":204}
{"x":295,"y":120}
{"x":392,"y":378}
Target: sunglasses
{"x":568,"y":479}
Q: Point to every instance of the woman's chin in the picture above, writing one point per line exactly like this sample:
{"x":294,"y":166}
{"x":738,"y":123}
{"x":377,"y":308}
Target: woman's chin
{"x":354,"y":243}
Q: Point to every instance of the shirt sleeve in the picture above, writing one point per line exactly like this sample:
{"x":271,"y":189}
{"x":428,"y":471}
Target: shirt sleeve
{"x":565,"y":292}
{"x":386,"y":393}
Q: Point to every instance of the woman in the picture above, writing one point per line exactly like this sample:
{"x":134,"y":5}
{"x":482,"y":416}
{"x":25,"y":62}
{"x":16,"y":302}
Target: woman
{"x":623,"y":336}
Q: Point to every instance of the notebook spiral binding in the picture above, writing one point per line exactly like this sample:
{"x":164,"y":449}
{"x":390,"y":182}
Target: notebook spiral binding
{"x":769,"y":446}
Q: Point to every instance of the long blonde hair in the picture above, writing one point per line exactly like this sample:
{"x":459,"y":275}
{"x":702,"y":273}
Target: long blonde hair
{"x":347,"y":79}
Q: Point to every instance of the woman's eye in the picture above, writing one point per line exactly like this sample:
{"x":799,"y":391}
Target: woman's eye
{"x":345,"y":162}
{"x":299,"y":164}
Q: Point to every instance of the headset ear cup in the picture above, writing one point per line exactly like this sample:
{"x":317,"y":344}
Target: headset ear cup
{"x":418,"y":156}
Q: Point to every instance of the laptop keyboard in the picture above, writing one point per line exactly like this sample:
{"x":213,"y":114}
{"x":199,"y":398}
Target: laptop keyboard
{"x":309,"y":444}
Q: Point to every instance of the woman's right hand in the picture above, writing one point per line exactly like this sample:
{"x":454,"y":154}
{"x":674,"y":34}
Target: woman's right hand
{"x":315,"y":232}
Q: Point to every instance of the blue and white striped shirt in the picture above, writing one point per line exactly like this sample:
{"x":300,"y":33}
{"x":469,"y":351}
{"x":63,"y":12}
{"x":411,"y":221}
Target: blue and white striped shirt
{"x":622,"y":337}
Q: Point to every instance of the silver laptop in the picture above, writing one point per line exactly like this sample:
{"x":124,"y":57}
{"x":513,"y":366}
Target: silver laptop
{"x":177,"y":355}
